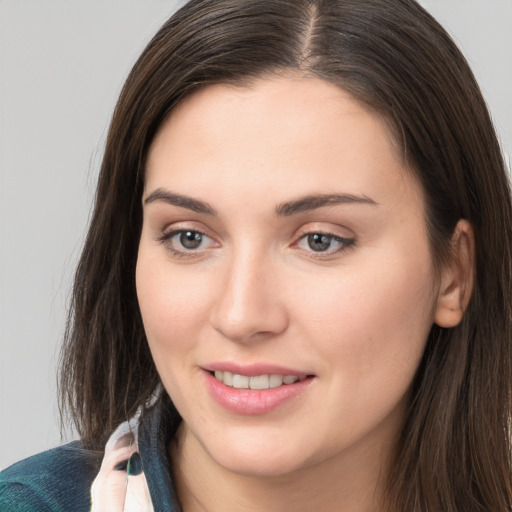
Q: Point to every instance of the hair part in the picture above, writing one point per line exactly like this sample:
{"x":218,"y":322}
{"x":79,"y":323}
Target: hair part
{"x":455,"y":448}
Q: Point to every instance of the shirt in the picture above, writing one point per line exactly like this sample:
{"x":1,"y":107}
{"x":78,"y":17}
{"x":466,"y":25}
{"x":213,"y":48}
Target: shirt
{"x":59,"y":480}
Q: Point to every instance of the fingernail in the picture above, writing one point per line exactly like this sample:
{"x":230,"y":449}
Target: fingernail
{"x":134,"y":465}
{"x":121,"y":466}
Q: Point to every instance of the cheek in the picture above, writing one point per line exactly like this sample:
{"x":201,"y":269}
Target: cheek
{"x":367,"y":331}
{"x":172,"y":305}
{"x":370,"y":325}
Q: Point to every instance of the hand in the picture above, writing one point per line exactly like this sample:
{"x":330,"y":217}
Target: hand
{"x":121,"y":485}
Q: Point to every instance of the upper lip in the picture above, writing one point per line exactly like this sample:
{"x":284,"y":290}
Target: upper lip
{"x":252,"y":370}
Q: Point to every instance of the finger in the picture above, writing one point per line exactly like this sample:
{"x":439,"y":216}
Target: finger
{"x":137,"y":498}
{"x":108,"y":490}
{"x":116,"y":457}
{"x":122,"y":434}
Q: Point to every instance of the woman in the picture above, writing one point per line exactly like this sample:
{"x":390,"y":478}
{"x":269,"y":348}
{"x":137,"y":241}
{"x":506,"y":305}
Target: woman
{"x":295,"y":290}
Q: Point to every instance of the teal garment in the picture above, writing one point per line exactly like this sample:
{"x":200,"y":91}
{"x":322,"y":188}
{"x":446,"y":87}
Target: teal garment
{"x":59,"y":480}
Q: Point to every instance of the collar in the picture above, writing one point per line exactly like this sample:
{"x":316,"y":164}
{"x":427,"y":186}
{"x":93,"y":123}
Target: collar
{"x":135,"y":474}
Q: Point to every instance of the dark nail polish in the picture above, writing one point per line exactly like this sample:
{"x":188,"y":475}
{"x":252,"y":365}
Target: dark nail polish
{"x":134,"y":465}
{"x":121,"y":466}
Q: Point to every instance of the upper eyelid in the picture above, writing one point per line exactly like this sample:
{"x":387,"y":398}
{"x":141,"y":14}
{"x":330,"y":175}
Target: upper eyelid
{"x":168,"y":235}
{"x":171,"y":232}
{"x":334,"y":236}
{"x":331,"y":230}
{"x":178,"y":227}
{"x":325,"y":233}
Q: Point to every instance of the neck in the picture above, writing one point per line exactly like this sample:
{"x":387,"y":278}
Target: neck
{"x":348,"y":482}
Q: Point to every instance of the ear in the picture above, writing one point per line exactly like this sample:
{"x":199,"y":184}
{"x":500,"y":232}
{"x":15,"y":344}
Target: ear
{"x":457,"y":276}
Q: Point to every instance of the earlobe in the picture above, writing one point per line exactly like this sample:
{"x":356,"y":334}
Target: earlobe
{"x":457,"y":276}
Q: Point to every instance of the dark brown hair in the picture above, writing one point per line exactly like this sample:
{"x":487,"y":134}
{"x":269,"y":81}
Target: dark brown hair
{"x":455,"y":449}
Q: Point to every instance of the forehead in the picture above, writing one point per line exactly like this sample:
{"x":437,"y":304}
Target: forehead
{"x":288,"y":134}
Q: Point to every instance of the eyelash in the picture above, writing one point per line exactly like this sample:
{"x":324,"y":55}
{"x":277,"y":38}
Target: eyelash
{"x":166,"y":239}
{"x":345,"y":243}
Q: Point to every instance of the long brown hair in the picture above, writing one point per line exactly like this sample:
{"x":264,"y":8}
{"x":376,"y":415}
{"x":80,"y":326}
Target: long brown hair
{"x":455,"y":447}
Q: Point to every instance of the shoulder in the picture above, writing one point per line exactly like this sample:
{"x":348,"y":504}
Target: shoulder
{"x":53,"y":481}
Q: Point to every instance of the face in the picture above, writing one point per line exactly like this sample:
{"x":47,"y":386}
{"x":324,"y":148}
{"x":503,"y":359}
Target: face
{"x":284,"y":274}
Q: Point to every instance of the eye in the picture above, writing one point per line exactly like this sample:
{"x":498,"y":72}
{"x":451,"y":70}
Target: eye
{"x":189,"y":239}
{"x":185,"y":241}
{"x":324,"y":243}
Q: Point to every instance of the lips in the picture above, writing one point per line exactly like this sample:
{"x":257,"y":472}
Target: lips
{"x":253,"y":370}
{"x":255,"y":389}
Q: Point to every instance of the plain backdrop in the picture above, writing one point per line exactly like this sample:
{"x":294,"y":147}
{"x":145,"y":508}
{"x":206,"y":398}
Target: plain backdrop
{"x":62,"y":65}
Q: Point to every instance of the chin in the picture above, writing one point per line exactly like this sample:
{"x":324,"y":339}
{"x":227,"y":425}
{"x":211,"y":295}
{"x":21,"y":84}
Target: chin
{"x":261,"y":466}
{"x":258,"y":457}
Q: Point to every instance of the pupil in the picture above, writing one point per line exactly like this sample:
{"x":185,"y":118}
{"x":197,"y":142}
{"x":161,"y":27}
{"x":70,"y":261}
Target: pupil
{"x":191,"y":239}
{"x":319,"y":242}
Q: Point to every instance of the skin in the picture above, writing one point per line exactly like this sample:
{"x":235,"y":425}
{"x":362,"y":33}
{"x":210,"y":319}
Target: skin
{"x":356,"y":317}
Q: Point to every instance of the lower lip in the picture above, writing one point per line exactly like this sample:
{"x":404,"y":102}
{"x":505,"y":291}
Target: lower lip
{"x":254,"y":401}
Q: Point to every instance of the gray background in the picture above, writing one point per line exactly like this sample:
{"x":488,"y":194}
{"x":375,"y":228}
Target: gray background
{"x":62,"y":64}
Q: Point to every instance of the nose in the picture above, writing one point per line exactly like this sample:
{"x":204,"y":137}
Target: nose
{"x":249,"y":305}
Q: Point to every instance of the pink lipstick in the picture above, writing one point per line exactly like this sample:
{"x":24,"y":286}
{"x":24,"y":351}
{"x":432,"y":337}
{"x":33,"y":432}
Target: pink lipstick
{"x":254,"y":389}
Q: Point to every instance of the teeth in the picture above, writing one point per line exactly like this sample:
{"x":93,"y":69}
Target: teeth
{"x":240,"y":381}
{"x":275,"y":381}
{"x":257,"y":382}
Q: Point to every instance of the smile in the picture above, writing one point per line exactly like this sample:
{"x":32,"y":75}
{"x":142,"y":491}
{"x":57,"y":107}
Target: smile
{"x":256,"y":382}
{"x":258,"y":393}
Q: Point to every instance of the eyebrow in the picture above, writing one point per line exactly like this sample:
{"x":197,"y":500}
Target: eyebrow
{"x":287,"y":209}
{"x":314,"y":202}
{"x":179,"y":200}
